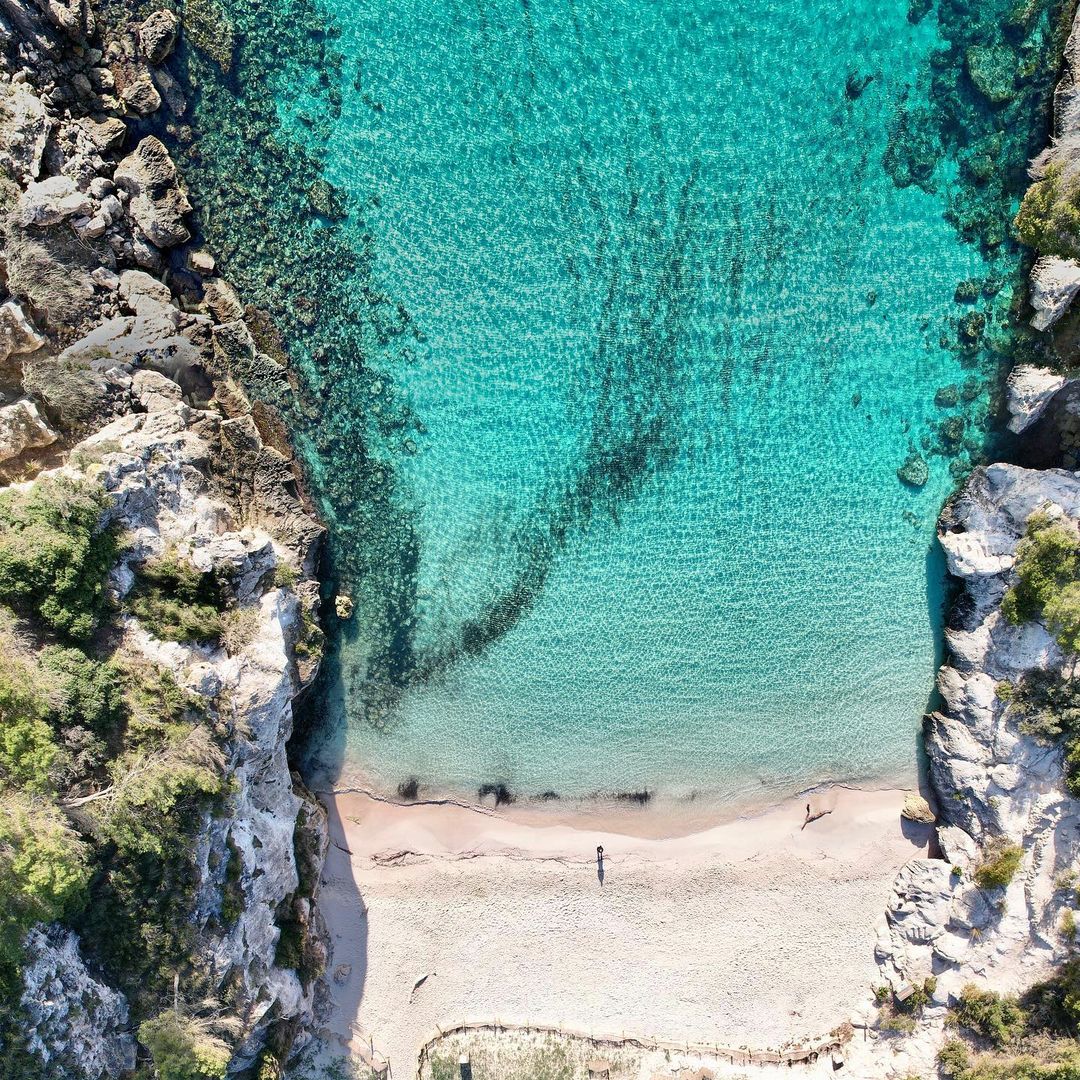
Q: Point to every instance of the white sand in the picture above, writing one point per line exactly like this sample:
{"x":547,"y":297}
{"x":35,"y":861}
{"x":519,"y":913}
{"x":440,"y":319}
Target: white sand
{"x":754,"y":932}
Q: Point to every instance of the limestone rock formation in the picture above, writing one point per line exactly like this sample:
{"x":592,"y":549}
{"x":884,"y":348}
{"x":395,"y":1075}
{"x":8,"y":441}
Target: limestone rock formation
{"x":1054,"y":284}
{"x":76,"y":1023}
{"x":22,"y":428}
{"x":1029,"y":391}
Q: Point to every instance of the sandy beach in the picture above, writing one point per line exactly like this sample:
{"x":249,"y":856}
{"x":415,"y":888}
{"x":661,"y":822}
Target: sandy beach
{"x":755,"y":931}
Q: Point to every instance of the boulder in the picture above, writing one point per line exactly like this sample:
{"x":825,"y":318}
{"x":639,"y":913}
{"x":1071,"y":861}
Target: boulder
{"x":916,"y":808}
{"x":141,"y":95}
{"x":25,"y":126}
{"x":48,"y":202}
{"x":156,"y":203}
{"x":17,"y":333}
{"x":157,"y":35}
{"x":1054,"y":284}
{"x":23,"y":428}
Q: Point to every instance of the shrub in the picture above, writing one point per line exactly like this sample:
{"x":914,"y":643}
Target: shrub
{"x":43,"y":869}
{"x":1049,"y":217}
{"x":1000,"y":863}
{"x":183,"y":1049}
{"x":54,"y":557}
{"x":177,"y":602}
{"x":1047,"y":561}
{"x":84,"y":691}
{"x":999,"y":1019}
{"x":953,"y":1058}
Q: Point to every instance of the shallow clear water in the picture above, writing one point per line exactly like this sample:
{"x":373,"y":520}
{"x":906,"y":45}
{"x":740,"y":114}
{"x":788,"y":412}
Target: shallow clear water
{"x":666,"y":329}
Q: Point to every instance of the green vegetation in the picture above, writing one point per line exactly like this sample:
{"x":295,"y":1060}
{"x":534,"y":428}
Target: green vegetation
{"x":54,"y":555}
{"x":1048,"y":580}
{"x":177,"y":602}
{"x":44,"y":871}
{"x":1049,"y":217}
{"x":1032,"y":1038}
{"x":1001,"y":860}
{"x":900,"y":1016}
{"x":999,"y":1019}
{"x":183,"y":1049}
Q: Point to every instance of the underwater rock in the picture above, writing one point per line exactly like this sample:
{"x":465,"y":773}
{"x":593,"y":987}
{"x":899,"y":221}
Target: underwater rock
{"x":972,"y":326}
{"x":157,"y":203}
{"x":1054,"y":284}
{"x":856,"y":84}
{"x":945,"y":397}
{"x":967,"y":292}
{"x":1027,"y":393}
{"x":157,"y":35}
{"x":993,"y":71}
{"x":914,"y":471}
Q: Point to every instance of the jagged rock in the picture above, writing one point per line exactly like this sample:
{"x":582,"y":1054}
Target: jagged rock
{"x":343,"y":607}
{"x":202,"y":262}
{"x":1028,"y":392}
{"x":17,"y":333}
{"x":957,"y":846}
{"x":222,"y":300}
{"x":50,"y":201}
{"x":157,"y":35}
{"x":922,"y":893}
{"x":141,"y":95}
{"x":74,"y":1022}
{"x":23,"y":428}
{"x":1054,"y":284}
{"x":157,"y":205}
{"x":25,"y":126}
{"x":916,"y":808}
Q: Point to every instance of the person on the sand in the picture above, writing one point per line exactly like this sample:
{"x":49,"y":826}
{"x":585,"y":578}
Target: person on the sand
{"x":600,"y":853}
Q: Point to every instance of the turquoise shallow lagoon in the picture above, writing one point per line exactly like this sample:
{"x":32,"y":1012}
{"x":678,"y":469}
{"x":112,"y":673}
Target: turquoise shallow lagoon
{"x":662,"y":329}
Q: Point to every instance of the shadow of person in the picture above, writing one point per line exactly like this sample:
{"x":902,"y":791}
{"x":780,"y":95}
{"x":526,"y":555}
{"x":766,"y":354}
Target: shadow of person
{"x":600,"y":871}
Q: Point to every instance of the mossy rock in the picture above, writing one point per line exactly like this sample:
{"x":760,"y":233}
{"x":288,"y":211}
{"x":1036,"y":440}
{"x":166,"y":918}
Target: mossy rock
{"x":967,"y":292}
{"x":993,"y":71}
{"x":947,"y":396}
{"x":972,"y":326}
{"x":327,"y":201}
{"x":207,"y":27}
{"x":914,"y":472}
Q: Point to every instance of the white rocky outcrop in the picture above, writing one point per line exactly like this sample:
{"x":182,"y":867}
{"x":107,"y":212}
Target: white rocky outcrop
{"x":1028,"y":392}
{"x":994,"y":784}
{"x":74,"y":1022}
{"x":50,"y":201}
{"x":1054,"y":284}
{"x":22,"y":428}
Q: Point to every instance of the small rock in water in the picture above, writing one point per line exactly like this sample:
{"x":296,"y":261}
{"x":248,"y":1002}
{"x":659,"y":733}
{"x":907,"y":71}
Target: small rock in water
{"x":946,"y":396}
{"x":914,"y":471}
{"x":856,"y":84}
{"x":856,"y":400}
{"x":343,"y":607}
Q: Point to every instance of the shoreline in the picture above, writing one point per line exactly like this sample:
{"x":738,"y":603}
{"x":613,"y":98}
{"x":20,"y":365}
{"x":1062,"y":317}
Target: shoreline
{"x":661,"y":817}
{"x":424,"y":905}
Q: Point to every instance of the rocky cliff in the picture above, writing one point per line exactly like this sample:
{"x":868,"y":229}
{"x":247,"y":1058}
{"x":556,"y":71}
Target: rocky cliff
{"x":998,"y":783}
{"x":122,"y":361}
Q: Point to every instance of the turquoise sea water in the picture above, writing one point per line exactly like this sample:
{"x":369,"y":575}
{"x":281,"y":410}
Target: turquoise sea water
{"x":651,"y":329}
